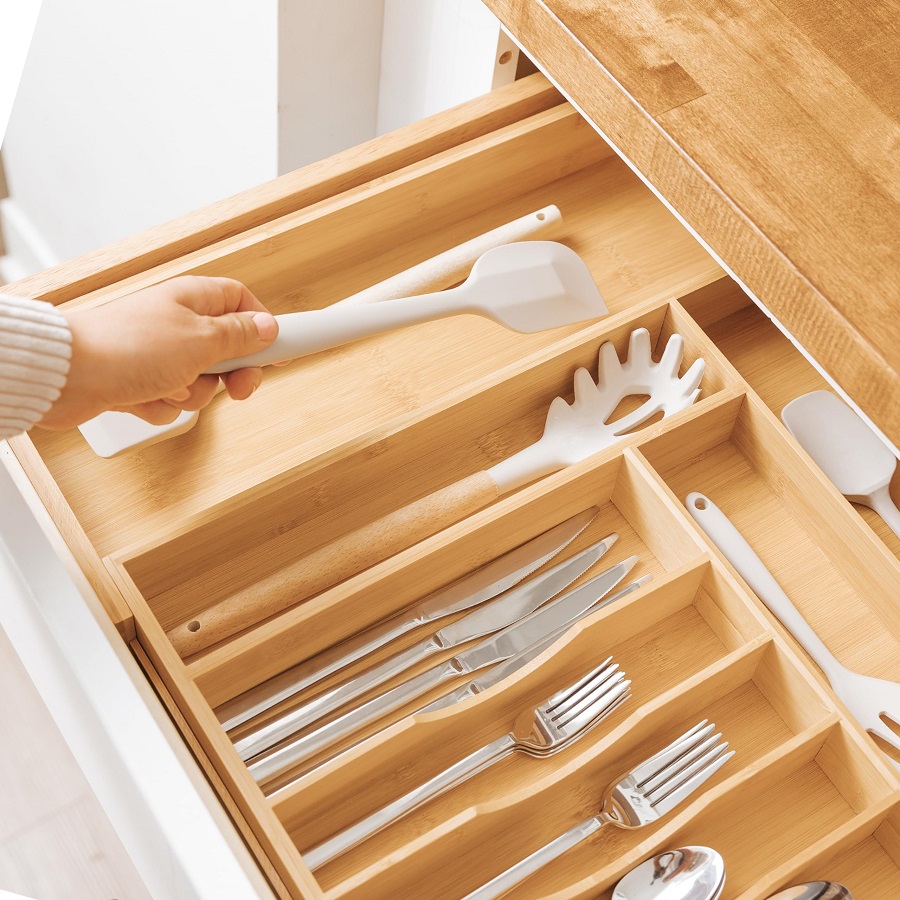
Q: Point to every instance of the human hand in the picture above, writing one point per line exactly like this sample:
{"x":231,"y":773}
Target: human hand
{"x":146,"y":353}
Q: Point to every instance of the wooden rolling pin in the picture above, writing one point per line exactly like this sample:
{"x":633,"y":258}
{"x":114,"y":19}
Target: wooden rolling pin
{"x":375,"y":542}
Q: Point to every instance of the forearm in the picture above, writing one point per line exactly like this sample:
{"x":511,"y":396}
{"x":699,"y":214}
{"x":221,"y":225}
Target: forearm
{"x":35,"y":349}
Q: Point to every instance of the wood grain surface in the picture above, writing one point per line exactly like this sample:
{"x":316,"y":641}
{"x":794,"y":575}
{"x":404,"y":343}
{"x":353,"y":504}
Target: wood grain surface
{"x":772,"y":128}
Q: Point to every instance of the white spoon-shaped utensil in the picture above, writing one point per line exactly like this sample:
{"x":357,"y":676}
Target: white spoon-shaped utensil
{"x":856,"y":460}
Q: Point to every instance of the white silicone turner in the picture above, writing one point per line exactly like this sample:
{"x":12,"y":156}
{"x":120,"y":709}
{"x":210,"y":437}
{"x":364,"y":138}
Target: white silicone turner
{"x":868,"y":699}
{"x":528,"y":287}
{"x":114,"y":433}
{"x":846,"y":450}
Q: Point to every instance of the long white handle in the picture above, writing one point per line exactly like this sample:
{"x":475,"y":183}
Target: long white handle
{"x":752,"y":569}
{"x":882,"y":503}
{"x":304,"y":333}
{"x":453,"y":265}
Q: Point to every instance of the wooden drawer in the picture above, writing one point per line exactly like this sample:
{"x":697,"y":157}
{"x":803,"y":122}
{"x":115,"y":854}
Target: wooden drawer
{"x":341,"y":438}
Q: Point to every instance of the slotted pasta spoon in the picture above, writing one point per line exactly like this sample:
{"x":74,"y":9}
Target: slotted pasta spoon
{"x":572,"y":433}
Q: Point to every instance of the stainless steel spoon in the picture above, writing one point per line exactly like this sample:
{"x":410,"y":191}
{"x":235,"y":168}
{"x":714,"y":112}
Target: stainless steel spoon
{"x":688,"y":873}
{"x":815,"y":890}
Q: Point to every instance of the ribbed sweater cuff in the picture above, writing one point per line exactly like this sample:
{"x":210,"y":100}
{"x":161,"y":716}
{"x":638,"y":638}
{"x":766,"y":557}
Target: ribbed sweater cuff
{"x":35,"y":349}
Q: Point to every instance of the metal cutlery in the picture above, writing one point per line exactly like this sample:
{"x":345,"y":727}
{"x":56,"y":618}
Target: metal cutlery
{"x":815,"y":890}
{"x":641,"y":796}
{"x":688,"y":873}
{"x":489,"y":618}
{"x":512,"y":665}
{"x":542,"y":731}
{"x":868,"y":699}
{"x":501,"y":646}
{"x":484,"y":583}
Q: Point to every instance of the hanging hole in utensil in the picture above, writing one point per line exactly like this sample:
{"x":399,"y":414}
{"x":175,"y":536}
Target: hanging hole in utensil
{"x":700,"y":503}
{"x":505,"y":57}
{"x":193,"y":626}
{"x":541,"y":217}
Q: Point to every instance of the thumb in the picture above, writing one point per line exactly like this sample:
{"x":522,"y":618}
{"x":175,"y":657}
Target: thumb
{"x":242,"y":333}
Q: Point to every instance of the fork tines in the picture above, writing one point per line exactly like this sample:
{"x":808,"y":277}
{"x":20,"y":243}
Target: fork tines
{"x":591,"y":698}
{"x":678,"y":770}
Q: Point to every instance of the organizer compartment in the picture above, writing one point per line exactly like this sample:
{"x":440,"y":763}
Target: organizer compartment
{"x":552,"y":798}
{"x":841,"y":578}
{"x":767,"y":360}
{"x":665,"y":635}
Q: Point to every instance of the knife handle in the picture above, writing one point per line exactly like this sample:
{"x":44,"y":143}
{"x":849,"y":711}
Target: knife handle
{"x":474,"y":763}
{"x":307,"y":745}
{"x":327,"y":702}
{"x":335,"y":562}
{"x":288,"y":684}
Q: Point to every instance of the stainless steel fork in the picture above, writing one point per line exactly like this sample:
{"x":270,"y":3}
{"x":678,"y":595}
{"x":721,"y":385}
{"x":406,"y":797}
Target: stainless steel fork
{"x":541,"y":731}
{"x":640,"y":797}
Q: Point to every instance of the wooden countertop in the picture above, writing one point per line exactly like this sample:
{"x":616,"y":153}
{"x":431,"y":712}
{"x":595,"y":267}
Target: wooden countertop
{"x":771,"y":126}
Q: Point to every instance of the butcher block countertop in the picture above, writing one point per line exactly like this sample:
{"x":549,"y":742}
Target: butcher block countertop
{"x":771,"y":127}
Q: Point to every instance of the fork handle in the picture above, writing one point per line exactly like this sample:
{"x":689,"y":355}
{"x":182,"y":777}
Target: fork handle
{"x":475,"y":762}
{"x":498,"y":886}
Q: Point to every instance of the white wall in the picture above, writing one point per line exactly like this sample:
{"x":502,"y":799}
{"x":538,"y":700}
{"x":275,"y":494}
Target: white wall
{"x":437,"y":53}
{"x":129,"y":114}
{"x":328,"y":61}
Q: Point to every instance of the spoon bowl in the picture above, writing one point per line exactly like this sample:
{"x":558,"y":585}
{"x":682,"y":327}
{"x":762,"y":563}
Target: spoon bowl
{"x":688,"y":873}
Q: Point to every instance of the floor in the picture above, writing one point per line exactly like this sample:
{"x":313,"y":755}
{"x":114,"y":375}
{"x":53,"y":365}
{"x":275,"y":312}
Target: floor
{"x":56,"y":843}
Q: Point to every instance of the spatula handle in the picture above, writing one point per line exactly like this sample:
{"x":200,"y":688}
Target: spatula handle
{"x":305,"y":333}
{"x":753,"y":570}
{"x":335,"y":562}
{"x":884,"y":505}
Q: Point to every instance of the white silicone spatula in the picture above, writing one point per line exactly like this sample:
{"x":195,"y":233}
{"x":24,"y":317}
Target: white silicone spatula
{"x":846,"y":450}
{"x":528,"y":287}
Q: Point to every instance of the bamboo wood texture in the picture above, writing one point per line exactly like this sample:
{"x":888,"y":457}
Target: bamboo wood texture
{"x":730,"y":114}
{"x":334,"y":562}
{"x":183,"y":527}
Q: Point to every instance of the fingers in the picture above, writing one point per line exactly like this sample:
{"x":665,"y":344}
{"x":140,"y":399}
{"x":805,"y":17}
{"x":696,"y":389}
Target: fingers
{"x":241,"y":383}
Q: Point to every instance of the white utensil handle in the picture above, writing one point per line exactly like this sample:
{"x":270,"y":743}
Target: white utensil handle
{"x":475,"y":762}
{"x":498,"y":886}
{"x":886,"y":508}
{"x":304,"y":333}
{"x":752,"y":569}
{"x":453,"y":265}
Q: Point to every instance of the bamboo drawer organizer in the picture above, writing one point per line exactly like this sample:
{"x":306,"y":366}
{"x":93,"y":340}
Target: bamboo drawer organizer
{"x":337,"y":440}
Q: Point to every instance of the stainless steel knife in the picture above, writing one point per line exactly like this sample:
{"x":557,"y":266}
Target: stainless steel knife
{"x":490,"y":617}
{"x":484,"y":583}
{"x":514,"y":663}
{"x":502,"y":646}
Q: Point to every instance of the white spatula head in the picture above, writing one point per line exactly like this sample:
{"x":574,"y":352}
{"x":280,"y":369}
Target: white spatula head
{"x":840,"y":443}
{"x":533,"y":286}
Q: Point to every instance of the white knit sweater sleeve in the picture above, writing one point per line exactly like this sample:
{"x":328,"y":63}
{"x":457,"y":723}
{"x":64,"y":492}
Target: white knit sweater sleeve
{"x":35,"y":348}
